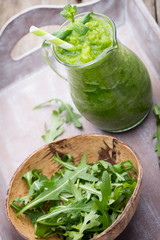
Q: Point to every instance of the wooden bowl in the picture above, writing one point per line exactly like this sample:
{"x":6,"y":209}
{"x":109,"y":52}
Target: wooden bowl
{"x":97,"y":147}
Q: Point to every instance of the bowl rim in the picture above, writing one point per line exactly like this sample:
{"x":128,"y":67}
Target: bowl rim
{"x":127,"y":207}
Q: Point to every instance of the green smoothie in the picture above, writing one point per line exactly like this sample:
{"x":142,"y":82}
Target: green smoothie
{"x":88,"y":46}
{"x":109,"y":84}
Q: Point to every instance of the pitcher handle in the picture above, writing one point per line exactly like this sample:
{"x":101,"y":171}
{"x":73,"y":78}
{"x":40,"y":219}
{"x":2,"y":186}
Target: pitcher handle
{"x":57,"y":67}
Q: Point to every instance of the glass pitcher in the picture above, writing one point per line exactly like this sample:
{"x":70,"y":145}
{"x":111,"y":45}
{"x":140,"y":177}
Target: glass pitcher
{"x":113,"y":91}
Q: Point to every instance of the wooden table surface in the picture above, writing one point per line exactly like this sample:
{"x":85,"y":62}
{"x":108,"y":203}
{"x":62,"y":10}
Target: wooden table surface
{"x":9,"y":8}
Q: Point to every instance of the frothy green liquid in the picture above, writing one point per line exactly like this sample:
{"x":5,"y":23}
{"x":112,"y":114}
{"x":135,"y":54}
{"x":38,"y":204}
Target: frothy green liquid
{"x":89,"y":46}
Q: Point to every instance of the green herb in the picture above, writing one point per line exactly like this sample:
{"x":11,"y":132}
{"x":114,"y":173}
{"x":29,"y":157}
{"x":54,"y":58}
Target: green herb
{"x":90,"y":221}
{"x":55,"y":130}
{"x":79,"y":201}
{"x":70,"y":115}
{"x":57,"y":120}
{"x":31,"y":176}
{"x":79,"y":27}
{"x":156,"y":110}
{"x":69,"y":12}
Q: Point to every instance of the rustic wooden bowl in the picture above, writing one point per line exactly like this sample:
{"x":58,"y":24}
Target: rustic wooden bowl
{"x":97,"y":147}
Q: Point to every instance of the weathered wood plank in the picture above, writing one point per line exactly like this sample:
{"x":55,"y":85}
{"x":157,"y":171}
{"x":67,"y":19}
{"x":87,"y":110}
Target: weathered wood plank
{"x":150,"y":4}
{"x":8,"y":9}
{"x":158,"y":11}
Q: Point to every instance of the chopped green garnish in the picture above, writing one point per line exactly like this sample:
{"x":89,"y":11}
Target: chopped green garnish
{"x":79,"y":201}
{"x":87,"y":17}
{"x":80,"y":28}
{"x":62,"y":34}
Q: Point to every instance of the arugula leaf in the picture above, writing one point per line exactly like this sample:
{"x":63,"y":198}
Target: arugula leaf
{"x":90,"y":221}
{"x":79,"y":201}
{"x":121,"y":194}
{"x":38,"y":186}
{"x":84,"y":175}
{"x":53,"y":192}
{"x":42,"y":230}
{"x":124,"y":167}
{"x":156,"y":110}
{"x":103,"y":204}
{"x":33,"y":215}
{"x":31,"y":176}
{"x":90,"y":189}
{"x":23,"y":200}
{"x":57,"y":120}
{"x":75,"y":191}
{"x":81,"y":206}
{"x":108,"y":166}
{"x":105,"y":188}
{"x":69,"y":165}
{"x":44,"y":103}
{"x":55,"y":130}
{"x":157,"y":146}
{"x":70,"y":115}
{"x":17,"y":208}
{"x":69,"y":12}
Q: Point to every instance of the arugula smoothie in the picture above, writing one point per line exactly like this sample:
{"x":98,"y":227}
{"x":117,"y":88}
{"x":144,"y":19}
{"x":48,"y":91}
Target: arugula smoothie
{"x":109,"y":84}
{"x":88,"y":46}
